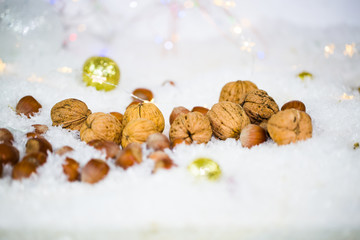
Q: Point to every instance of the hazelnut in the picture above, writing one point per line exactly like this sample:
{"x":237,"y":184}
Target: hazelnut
{"x":294,"y":104}
{"x":129,"y":156}
{"x":71,"y":169}
{"x":137,"y":131}
{"x":236,"y":91}
{"x":157,"y":142}
{"x":8,"y":154}
{"x":199,"y":109}
{"x":289,"y":126}
{"x":110,"y":148}
{"x":40,"y":128}
{"x":6,"y":136}
{"x":37,"y":158}
{"x":23,"y":169}
{"x":69,"y":113}
{"x":162,"y":160}
{"x":145,"y":110}
{"x":227,"y":120}
{"x":142,"y":93}
{"x":38,"y":144}
{"x":118,"y":116}
{"x":168,"y":82}
{"x":192,"y":127}
{"x":176,"y":112}
{"x":252,"y":135}
{"x":178,"y":141}
{"x":65,"y":149}
{"x":28,"y":106}
{"x":33,"y":135}
{"x":101,"y":126}
{"x":259,"y":106}
{"x":94,"y":171}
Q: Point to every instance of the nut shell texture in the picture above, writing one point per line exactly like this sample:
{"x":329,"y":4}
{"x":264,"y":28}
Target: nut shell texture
{"x":69,"y":113}
{"x":236,"y":91}
{"x":145,"y":110}
{"x":192,"y":127}
{"x":227,"y":120}
{"x":259,"y":106}
{"x":101,"y":126}
{"x":289,"y":126}
{"x":137,"y":131}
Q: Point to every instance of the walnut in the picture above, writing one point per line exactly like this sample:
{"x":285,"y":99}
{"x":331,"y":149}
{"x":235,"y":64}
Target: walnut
{"x":236,"y":91}
{"x":192,"y":127}
{"x":137,"y":131}
{"x":101,"y":126}
{"x":147,"y":111}
{"x":289,"y":126}
{"x":227,"y":120}
{"x":259,"y":106}
{"x":69,"y":113}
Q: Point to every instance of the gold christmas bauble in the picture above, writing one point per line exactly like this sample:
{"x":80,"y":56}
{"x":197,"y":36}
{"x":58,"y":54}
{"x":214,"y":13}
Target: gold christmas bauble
{"x":205,"y":167}
{"x":101,"y":72}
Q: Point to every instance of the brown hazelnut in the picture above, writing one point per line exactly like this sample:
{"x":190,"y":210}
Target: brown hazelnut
{"x":227,"y":120}
{"x":252,"y":135}
{"x":28,"y":106}
{"x":294,"y":104}
{"x":71,"y":169}
{"x":40,"y":128}
{"x":33,"y":135}
{"x":69,"y":113}
{"x":142,"y":93}
{"x":118,"y":116}
{"x":289,"y":126}
{"x":23,"y":169}
{"x":178,"y":141}
{"x":192,"y":127}
{"x":236,"y":91}
{"x":199,"y":109}
{"x":37,"y":158}
{"x":38,"y":144}
{"x":176,"y":112}
{"x":129,"y":156}
{"x":145,"y":110}
{"x":101,"y":126}
{"x":157,"y":142}
{"x":110,"y":148}
{"x":137,"y":131}
{"x":168,"y":82}
{"x":162,"y":160}
{"x":6,"y":136}
{"x":94,"y":171}
{"x":259,"y":106}
{"x":65,"y":149}
{"x":8,"y":154}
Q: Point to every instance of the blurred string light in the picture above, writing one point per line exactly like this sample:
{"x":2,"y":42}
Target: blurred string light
{"x":347,"y":97}
{"x":247,"y":46}
{"x":2,"y":66}
{"x":350,"y":49}
{"x":34,"y":78}
{"x":329,"y":50}
{"x":64,"y":70}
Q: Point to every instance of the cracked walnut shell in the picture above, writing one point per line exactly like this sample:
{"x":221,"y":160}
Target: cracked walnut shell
{"x":69,"y":113}
{"x":289,"y":126}
{"x":137,"y":131}
{"x":236,"y":91}
{"x":227,"y":120}
{"x":145,"y":110}
{"x":101,"y":126}
{"x":259,"y":106}
{"x":191,"y":127}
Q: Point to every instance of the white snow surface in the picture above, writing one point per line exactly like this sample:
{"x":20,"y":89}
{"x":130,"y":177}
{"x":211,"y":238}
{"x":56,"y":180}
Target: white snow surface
{"x":306,"y":190}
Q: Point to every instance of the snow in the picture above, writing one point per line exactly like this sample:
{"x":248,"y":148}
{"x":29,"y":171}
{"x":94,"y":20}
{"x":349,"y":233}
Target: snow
{"x":307,"y":190}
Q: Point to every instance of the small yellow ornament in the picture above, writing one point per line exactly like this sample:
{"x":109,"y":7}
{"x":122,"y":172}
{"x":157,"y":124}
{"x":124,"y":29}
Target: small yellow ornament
{"x":101,"y":72}
{"x":304,"y":75}
{"x":205,"y":167}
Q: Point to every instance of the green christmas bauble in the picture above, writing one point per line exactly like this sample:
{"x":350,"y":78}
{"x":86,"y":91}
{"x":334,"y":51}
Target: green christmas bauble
{"x":101,"y":72}
{"x":205,"y":167}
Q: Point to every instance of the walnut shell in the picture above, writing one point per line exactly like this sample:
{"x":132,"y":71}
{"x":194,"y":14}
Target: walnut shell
{"x":259,"y":106}
{"x":236,"y":91}
{"x":137,"y":131}
{"x":192,"y":127}
{"x":69,"y":113}
{"x":101,"y":126}
{"x":289,"y":126}
{"x":227,"y":119}
{"x":145,"y":110}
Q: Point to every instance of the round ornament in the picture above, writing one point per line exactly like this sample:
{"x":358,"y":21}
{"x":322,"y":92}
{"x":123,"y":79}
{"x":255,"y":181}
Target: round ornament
{"x":101,"y":72}
{"x":205,"y":167}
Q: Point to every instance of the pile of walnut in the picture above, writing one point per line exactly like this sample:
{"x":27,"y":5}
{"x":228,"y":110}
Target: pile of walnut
{"x":244,"y":112}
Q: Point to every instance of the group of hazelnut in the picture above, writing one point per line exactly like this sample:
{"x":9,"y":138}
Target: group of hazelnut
{"x":244,"y":112}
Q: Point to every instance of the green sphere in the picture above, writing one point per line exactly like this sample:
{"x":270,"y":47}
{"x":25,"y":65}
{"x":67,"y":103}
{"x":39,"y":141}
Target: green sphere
{"x":205,"y":167}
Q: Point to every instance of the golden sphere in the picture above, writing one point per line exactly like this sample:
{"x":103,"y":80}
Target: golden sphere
{"x":101,"y":72}
{"x":205,"y":167}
